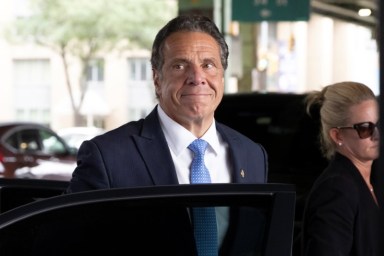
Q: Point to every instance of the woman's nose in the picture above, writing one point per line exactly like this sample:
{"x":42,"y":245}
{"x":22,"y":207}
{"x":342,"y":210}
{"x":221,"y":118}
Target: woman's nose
{"x":376,"y":133}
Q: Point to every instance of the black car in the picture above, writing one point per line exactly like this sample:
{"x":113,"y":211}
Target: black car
{"x":290,"y":136}
{"x":33,"y":150}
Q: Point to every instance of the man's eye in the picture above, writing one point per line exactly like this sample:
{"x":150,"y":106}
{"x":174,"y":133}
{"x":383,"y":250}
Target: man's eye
{"x":209,"y":65}
{"x":179,"y":66}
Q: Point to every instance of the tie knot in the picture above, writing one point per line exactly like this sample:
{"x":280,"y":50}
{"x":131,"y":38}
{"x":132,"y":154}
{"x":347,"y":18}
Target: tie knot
{"x":198,"y":146}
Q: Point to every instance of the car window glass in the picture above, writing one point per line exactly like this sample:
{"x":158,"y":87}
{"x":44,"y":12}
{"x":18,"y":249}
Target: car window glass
{"x":51,"y":143}
{"x":26,"y":140}
{"x":12,"y":141}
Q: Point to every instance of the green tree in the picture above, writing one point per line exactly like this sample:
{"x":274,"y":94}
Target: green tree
{"x":86,"y":29}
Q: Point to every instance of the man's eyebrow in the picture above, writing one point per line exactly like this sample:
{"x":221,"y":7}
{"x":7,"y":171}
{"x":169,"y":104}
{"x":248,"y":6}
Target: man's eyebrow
{"x":180,"y":59}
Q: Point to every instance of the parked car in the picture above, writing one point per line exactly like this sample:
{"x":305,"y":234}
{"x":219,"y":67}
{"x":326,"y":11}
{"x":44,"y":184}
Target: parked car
{"x":74,"y":136}
{"x":32,"y":150}
{"x":290,"y":136}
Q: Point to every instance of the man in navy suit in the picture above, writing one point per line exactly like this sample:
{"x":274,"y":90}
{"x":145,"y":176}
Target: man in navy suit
{"x":189,"y":58}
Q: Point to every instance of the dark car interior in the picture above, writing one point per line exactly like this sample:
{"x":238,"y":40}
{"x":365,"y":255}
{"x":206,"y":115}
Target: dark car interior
{"x":17,"y":192}
{"x":126,"y":219}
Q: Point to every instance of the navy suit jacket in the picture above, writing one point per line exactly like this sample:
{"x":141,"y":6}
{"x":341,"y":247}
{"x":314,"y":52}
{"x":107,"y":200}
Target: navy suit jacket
{"x":137,"y":154}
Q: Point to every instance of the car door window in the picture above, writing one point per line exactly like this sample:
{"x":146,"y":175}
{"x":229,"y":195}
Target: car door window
{"x":25,"y":141}
{"x":51,"y":144}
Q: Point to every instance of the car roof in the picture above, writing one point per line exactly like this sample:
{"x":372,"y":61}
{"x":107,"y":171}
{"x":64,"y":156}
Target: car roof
{"x":18,"y":123}
{"x":6,"y":127}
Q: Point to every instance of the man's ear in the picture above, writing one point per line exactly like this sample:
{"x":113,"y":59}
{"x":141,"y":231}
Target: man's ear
{"x":156,"y":81}
{"x":155,"y":77}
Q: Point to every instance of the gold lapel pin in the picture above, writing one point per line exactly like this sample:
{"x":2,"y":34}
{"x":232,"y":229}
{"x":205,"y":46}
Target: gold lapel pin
{"x":242,"y":173}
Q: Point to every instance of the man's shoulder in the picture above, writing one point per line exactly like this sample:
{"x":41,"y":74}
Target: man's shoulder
{"x":228,"y":132}
{"x":134,"y":126}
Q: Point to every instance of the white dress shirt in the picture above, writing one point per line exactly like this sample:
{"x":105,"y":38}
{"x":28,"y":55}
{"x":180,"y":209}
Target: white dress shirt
{"x":178,"y":139}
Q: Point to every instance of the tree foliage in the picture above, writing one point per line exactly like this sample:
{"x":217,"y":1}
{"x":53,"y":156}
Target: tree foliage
{"x":86,"y":29}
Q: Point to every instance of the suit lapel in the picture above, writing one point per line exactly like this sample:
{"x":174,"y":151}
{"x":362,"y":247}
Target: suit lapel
{"x":154,"y":149}
{"x":237,"y":155}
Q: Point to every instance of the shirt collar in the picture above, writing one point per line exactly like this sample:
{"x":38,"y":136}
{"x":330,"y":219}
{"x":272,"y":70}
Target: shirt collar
{"x":179,"y":138}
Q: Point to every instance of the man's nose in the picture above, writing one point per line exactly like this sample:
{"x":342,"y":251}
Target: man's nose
{"x":196,"y":75}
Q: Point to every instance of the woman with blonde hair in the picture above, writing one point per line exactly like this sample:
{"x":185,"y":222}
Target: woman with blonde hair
{"x":341,"y":216}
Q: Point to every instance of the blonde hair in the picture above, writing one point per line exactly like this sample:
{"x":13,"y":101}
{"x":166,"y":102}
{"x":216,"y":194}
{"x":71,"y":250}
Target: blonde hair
{"x":334,"y":102}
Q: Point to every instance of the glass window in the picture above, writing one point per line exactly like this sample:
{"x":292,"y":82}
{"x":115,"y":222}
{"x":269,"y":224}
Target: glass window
{"x":32,"y":80}
{"x":139,"y":69}
{"x":51,"y":143}
{"x":26,"y":140}
{"x":95,"y":70}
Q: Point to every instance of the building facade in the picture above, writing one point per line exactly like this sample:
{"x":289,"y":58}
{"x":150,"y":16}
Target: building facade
{"x":292,"y":57}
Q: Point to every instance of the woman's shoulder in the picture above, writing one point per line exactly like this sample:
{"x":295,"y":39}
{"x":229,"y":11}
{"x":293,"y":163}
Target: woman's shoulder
{"x":338,"y":179}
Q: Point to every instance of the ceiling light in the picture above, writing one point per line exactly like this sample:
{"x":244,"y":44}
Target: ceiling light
{"x":365,"y":12}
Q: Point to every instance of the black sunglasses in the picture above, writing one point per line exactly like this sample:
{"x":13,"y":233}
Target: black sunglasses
{"x":364,"y":129}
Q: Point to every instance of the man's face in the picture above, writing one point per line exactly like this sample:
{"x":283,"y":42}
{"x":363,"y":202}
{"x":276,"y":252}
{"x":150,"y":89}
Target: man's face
{"x":190,"y":85}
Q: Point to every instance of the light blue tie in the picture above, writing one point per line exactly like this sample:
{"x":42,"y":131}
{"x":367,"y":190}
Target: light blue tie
{"x":204,"y":218}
